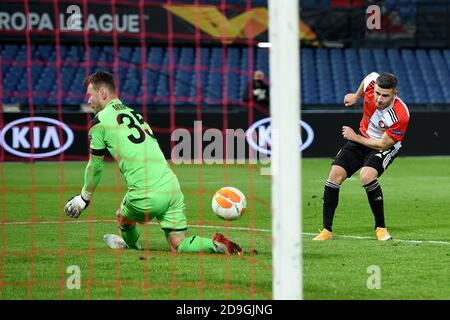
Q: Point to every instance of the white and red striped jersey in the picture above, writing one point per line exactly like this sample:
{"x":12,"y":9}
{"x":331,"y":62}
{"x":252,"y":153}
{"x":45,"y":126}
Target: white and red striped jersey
{"x":393,"y":120}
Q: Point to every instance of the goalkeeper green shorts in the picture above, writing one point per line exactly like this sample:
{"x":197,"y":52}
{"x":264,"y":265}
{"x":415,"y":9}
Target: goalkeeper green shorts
{"x":166,"y":204}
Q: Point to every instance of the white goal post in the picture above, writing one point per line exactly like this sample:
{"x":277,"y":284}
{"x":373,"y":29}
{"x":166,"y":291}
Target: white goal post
{"x":284,"y":59}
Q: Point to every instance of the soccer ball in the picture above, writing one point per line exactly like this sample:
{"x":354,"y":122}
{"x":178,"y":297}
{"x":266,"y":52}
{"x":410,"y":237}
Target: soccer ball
{"x":229,"y":203}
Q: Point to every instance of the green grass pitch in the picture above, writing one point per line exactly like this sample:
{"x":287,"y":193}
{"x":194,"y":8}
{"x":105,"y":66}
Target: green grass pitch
{"x":412,"y":266}
{"x":38,"y":244}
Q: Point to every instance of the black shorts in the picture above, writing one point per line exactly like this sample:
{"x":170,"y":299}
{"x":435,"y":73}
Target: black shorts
{"x":353,"y":156}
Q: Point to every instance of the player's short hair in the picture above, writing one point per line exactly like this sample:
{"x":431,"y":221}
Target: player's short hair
{"x":101,"y":78}
{"x":387,"y":81}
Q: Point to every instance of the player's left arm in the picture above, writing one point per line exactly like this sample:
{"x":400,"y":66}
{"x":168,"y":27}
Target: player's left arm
{"x":384,"y":143}
{"x":398,"y":130}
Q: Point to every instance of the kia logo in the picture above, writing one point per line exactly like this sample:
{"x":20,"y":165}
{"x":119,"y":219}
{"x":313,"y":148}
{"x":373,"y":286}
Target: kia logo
{"x":259,"y":136}
{"x":16,"y":137}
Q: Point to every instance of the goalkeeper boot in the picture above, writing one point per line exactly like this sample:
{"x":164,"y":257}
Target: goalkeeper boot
{"x":114,"y":241}
{"x":324,"y":235}
{"x":226,"y":246}
{"x":382,"y":234}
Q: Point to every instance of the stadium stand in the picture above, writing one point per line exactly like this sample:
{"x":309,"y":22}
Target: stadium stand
{"x":424,"y":83}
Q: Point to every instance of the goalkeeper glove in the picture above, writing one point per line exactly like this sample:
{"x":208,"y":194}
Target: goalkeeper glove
{"x":75,"y":206}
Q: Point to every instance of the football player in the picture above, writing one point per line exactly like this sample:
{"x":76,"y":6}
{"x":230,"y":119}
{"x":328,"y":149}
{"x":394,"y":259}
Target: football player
{"x":381,"y":131}
{"x":153,"y":188}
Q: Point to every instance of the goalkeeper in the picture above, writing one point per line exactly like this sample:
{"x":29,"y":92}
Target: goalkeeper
{"x":153,"y":188}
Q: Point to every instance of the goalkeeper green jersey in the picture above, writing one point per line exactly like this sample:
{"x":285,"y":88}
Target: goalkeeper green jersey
{"x":129,"y":139}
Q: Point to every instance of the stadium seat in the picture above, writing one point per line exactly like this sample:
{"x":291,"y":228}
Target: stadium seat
{"x":415,"y":77}
{"x":219,"y":72}
{"x":432,"y":86}
{"x":399,"y":69}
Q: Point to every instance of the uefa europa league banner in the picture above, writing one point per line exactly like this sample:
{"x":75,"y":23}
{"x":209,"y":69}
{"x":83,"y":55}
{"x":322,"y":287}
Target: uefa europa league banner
{"x":131,"y":22}
{"x":157,"y":22}
{"x":49,"y":136}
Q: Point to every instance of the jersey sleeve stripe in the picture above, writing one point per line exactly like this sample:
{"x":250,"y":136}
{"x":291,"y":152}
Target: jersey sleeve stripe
{"x":98,"y":152}
{"x":174,"y":230}
{"x":390,"y":114}
{"x":393,"y":115}
{"x":95,"y":121}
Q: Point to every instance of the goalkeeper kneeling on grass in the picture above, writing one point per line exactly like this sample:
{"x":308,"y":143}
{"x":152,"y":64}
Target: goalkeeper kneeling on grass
{"x":153,"y":188}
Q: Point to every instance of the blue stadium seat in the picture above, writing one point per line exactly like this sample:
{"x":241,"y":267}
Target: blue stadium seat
{"x":399,"y":69}
{"x":355,"y":74}
{"x":325,"y":88}
{"x":366,"y":61}
{"x":444,"y":67}
{"x":184,"y":75}
{"x":340,"y":78}
{"x":262,"y":61}
{"x":233,"y":74}
{"x":309,"y":81}
{"x":177,"y":73}
{"x":200,"y":78}
{"x":214,"y":89}
{"x":432,"y":86}
{"x":415,"y":77}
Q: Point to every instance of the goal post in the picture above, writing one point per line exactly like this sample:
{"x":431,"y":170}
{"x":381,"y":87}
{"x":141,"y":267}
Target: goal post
{"x":284,"y":60}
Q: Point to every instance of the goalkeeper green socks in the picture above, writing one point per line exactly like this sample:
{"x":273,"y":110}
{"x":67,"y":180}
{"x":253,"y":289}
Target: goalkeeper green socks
{"x":130,"y":234}
{"x":196,"y":244}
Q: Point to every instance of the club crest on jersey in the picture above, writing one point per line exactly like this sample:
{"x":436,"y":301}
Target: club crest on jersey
{"x":381,"y":124}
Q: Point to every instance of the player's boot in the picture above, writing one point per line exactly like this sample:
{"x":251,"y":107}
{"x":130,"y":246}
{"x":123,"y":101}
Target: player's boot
{"x":324,"y":235}
{"x":382,"y":234}
{"x":114,"y":241}
{"x":226,"y":246}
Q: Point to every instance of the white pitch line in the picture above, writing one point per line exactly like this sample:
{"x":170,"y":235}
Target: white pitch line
{"x":395,"y":240}
{"x":228,"y":227}
{"x":113,"y":221}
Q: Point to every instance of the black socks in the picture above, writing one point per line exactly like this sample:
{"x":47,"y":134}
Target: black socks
{"x":375,"y":197}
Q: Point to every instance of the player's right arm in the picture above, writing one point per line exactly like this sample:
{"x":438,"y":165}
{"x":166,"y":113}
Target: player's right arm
{"x":351,"y":98}
{"x":92,"y":173}
{"x":94,"y":168}
{"x":92,"y":176}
